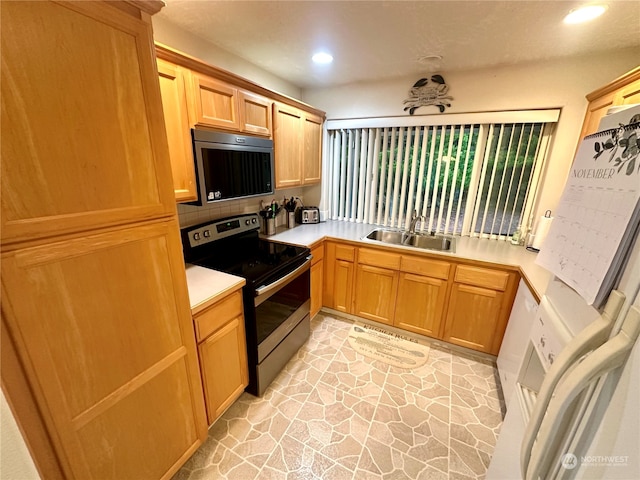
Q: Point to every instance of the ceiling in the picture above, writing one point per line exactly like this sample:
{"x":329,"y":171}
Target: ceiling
{"x":376,"y":40}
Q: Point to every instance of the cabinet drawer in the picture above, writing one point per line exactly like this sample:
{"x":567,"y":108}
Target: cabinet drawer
{"x":317,"y":253}
{"x":426,"y":267}
{"x":377,"y":258}
{"x":482,"y":277}
{"x":345,"y":252}
{"x":216,"y":316}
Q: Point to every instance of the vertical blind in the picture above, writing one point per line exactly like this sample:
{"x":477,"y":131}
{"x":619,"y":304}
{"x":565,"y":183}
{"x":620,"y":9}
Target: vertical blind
{"x":467,"y":179}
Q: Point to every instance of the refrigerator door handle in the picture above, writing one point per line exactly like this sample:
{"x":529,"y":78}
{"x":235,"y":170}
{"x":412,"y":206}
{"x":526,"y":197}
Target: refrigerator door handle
{"x":606,"y":358}
{"x":586,"y":341}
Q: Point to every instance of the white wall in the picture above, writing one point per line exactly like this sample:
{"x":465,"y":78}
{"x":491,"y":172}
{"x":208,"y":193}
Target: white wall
{"x":559,"y":83}
{"x":15,"y":460}
{"x":172,"y":36}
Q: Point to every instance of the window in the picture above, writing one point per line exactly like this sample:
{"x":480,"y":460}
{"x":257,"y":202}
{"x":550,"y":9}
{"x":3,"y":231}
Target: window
{"x":473,"y":179}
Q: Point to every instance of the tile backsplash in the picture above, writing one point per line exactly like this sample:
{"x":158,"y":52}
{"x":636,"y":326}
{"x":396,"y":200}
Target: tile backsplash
{"x":192,"y":215}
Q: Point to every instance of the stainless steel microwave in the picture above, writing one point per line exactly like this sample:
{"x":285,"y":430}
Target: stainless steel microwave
{"x":230,"y":166}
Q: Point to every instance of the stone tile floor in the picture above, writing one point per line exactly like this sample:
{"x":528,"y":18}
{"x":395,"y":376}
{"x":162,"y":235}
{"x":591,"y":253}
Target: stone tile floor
{"x":335,"y":414}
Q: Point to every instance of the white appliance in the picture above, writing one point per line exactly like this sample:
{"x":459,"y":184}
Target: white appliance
{"x":565,"y":420}
{"x":516,"y":339}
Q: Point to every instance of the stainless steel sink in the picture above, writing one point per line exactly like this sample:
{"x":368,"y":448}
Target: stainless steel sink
{"x":387,"y":236}
{"x":442,"y":243}
{"x":436,"y":242}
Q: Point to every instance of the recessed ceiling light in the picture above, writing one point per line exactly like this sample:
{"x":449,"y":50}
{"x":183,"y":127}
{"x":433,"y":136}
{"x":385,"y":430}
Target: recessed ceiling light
{"x":584,"y":14}
{"x":322,"y":57}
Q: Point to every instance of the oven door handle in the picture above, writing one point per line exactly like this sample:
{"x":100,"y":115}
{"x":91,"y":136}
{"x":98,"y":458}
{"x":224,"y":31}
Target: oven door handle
{"x":264,"y":290}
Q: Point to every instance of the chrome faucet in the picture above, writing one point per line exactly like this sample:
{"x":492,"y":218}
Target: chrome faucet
{"x":414,"y":220}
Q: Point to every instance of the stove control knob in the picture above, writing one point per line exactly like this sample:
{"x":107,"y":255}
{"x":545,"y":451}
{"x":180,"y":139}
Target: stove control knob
{"x":247,"y":222}
{"x":253,"y":220}
{"x":207,"y":234}
{"x":196,"y":236}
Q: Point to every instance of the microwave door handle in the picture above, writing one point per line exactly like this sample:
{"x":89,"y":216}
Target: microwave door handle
{"x":590,"y":338}
{"x":266,"y":289}
{"x":608,"y":357}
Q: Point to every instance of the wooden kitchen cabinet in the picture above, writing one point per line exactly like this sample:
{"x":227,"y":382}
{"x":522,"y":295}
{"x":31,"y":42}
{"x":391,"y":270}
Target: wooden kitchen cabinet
{"x":464,"y":304}
{"x":312,"y":153}
{"x":288,"y":144}
{"x":176,"y":121}
{"x":99,"y":360}
{"x":479,"y":307}
{"x":107,"y":347}
{"x":317,"y":278}
{"x":376,"y":285}
{"x":213,"y":103}
{"x":472,"y":316}
{"x":297,"y":146}
{"x":624,"y":90}
{"x":422,"y":295}
{"x":255,"y":113}
{"x":338,"y":276}
{"x":83,"y":146}
{"x":223,"y":353}
{"x":376,"y":290}
{"x":222,"y":105}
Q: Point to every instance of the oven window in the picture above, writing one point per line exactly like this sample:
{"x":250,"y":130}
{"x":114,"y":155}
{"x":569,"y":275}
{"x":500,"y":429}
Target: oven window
{"x":281,"y":305}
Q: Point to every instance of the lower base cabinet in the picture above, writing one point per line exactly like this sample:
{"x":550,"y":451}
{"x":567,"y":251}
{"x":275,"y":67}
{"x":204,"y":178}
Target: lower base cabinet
{"x":420,"y":304}
{"x":461,"y":303}
{"x":223,"y":354}
{"x":472,"y":315}
{"x":338,"y":276}
{"x":317,"y":279}
{"x":376,"y":290}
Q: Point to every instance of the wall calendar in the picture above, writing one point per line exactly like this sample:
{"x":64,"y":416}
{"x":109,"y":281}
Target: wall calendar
{"x":598,"y":215}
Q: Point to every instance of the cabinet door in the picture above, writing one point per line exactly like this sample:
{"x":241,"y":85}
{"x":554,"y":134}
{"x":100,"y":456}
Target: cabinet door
{"x":176,"y":121}
{"x":342,"y":286}
{"x":595,"y":111}
{"x":473,"y":315}
{"x":628,"y":94}
{"x":375,"y":293}
{"x":287,"y":140}
{"x":83,"y":140}
{"x":420,"y":304}
{"x":105,"y":336}
{"x":316,"y":287}
{"x":312,"y":155}
{"x":215,"y":103}
{"x":223,"y":361}
{"x":255,"y":113}
{"x":317,"y":279}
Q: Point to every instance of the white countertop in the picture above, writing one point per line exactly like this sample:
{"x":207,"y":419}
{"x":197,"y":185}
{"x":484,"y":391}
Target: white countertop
{"x":484,"y":250}
{"x":207,"y":286}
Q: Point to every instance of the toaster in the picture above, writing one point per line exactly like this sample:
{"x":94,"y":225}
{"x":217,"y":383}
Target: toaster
{"x":307,"y":215}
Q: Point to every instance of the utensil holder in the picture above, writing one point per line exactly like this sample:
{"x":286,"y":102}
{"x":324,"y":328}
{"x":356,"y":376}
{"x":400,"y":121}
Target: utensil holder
{"x":291,"y":219}
{"x":269,"y":226}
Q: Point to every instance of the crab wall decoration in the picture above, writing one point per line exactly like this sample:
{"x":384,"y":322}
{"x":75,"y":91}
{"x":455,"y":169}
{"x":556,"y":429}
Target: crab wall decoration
{"x":428,"y":91}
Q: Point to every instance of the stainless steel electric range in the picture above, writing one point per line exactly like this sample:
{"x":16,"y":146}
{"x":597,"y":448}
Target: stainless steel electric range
{"x":276,"y":296}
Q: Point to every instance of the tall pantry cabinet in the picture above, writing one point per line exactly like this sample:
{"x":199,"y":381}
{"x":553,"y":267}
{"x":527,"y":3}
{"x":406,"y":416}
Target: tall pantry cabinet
{"x":99,"y":360}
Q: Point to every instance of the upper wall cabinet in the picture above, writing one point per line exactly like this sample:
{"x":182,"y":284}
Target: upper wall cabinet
{"x":312,"y":154}
{"x":176,"y":121}
{"x":622,"y":91}
{"x":214,"y":103}
{"x":255,"y":113}
{"x":87,"y":147}
{"x":219,"y":104}
{"x":220,"y":100}
{"x":288,"y":145}
{"x":297,"y":145}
